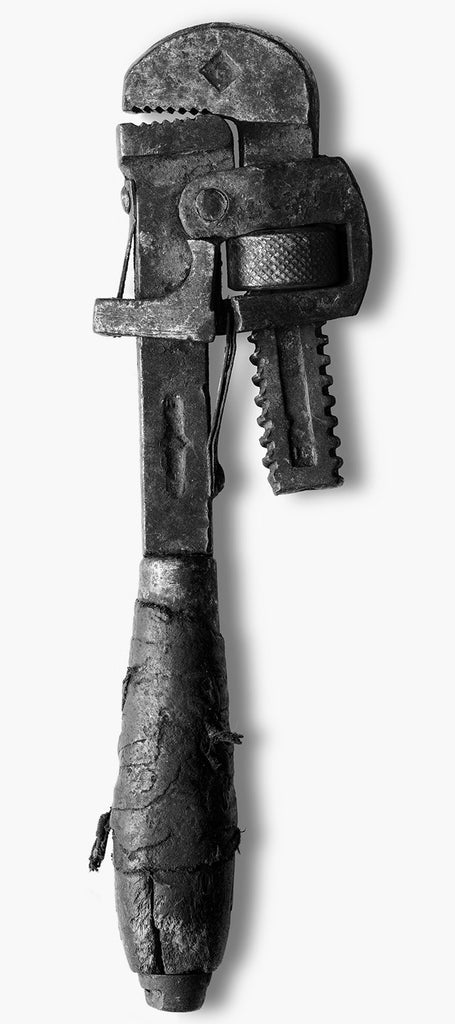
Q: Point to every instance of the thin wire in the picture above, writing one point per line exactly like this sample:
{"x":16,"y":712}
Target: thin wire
{"x":216,"y":472}
{"x":126,"y":260}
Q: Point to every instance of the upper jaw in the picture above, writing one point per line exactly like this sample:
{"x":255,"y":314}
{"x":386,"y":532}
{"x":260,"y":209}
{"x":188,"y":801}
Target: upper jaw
{"x":240,"y":73}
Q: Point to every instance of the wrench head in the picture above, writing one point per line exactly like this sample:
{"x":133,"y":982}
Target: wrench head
{"x":240,"y":73}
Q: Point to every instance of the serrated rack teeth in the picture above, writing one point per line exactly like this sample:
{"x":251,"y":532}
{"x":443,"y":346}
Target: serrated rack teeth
{"x":273,"y":478}
{"x":269,"y":458}
{"x":329,"y":400}
{"x":264,"y":441}
{"x":261,"y":400}
{"x":276,"y":377}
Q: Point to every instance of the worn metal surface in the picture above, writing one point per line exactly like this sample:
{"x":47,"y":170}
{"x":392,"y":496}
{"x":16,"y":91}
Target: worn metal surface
{"x":292,"y":194}
{"x":304,"y":258}
{"x":241,"y":73}
{"x":186,"y":314}
{"x":298,"y":247}
{"x":296,"y":416}
{"x":159,"y":160}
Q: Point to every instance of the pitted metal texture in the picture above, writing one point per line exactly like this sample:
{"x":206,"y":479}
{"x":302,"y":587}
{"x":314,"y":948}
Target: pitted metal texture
{"x":305,"y":258}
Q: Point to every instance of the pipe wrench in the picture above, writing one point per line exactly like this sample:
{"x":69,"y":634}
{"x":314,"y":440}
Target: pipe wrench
{"x":236,"y":224}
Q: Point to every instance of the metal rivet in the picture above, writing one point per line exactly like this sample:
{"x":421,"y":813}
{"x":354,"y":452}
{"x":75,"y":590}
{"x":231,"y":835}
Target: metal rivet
{"x":211,"y":204}
{"x":126,"y":198}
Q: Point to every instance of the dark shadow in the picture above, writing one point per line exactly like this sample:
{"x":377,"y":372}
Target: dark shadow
{"x":345,"y":387}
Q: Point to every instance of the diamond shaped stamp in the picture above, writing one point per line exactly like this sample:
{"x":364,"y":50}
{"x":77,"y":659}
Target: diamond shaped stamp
{"x":220,"y":70}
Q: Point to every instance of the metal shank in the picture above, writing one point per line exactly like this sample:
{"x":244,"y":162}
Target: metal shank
{"x":158,"y":160}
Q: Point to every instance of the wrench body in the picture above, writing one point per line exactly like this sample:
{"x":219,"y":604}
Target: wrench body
{"x":240,"y":184}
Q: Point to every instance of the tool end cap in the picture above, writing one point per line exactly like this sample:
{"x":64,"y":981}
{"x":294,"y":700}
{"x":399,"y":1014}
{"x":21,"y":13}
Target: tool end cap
{"x":175,"y":992}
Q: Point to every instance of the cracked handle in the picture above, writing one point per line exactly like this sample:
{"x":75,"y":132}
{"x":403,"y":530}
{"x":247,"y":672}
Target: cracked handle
{"x":174,"y":816}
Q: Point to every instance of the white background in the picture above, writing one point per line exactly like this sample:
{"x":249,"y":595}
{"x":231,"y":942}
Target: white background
{"x":336,"y":606}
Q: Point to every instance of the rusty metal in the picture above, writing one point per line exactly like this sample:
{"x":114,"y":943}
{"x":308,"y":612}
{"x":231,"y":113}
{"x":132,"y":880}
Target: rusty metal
{"x":242,"y":171}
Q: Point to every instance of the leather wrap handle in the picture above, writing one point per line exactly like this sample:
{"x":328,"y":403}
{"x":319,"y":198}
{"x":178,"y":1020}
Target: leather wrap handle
{"x":174,"y":816}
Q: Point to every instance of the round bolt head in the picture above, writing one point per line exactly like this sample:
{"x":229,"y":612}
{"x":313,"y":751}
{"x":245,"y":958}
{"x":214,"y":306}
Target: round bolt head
{"x":125,"y":196}
{"x":211,"y":205}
